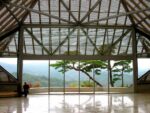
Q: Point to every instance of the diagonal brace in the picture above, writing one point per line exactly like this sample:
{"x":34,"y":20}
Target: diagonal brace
{"x":85,"y":33}
{"x":42,"y":45}
{"x":67,"y":37}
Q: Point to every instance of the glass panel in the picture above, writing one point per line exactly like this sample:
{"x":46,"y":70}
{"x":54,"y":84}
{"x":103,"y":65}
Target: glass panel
{"x":143,"y":66}
{"x":35,"y":73}
{"x":86,"y":77}
{"x":121,"y":76}
{"x":71,"y":77}
{"x":56,"y":77}
{"x":101,"y":75}
{"x":10,"y":65}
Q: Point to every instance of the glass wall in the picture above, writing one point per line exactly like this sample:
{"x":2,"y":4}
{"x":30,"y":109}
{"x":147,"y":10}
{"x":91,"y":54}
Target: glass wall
{"x":35,"y":73}
{"x":56,"y":77}
{"x":102,"y":79}
{"x":9,"y":64}
{"x":143,"y":66}
{"x":73,"y":76}
{"x":121,"y":76}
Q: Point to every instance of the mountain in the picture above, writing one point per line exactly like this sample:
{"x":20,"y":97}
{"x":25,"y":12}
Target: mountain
{"x":42,"y":69}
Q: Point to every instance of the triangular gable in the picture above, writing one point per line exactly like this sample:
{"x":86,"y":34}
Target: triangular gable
{"x":5,"y":76}
{"x":145,"y":78}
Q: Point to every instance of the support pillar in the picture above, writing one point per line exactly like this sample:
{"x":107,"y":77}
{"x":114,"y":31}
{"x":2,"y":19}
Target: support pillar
{"x":20,"y":61}
{"x":135,"y":63}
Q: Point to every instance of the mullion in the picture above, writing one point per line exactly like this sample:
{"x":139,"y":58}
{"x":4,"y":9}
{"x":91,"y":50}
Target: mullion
{"x":33,"y":43}
{"x":8,"y":51}
{"x":114,"y":33}
{"x":86,"y":42}
{"x":59,"y":8}
{"x":79,"y":14}
{"x":138,"y":41}
{"x":30,"y":19}
{"x":41,"y":36}
{"x":107,"y":23}
{"x":78,"y":41}
{"x":59,"y":40}
{"x":125,"y":22}
{"x":69,"y":9}
{"x":129,"y":43}
{"x":69,"y":28}
{"x":98,"y":17}
{"x":88,"y":21}
{"x":50,"y":32}
{"x":24,"y":47}
{"x":116,"y":22}
{"x":49,"y":10}
{"x":16,"y":43}
{"x":89,"y":10}
{"x":95,"y":41}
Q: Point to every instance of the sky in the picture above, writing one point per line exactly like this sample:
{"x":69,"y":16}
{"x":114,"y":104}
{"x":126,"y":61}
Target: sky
{"x":143,"y":63}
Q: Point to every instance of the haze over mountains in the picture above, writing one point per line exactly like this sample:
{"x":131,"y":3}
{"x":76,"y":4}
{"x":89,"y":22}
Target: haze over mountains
{"x":42,"y":69}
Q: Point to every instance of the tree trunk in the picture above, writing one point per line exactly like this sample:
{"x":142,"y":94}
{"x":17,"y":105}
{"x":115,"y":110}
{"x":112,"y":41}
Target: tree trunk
{"x":110,"y":74}
{"x":92,"y":78}
{"x":122,"y":78}
{"x":77,"y":69}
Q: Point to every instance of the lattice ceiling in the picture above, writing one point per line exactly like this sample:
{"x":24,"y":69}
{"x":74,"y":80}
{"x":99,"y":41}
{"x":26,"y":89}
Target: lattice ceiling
{"x":54,"y":26}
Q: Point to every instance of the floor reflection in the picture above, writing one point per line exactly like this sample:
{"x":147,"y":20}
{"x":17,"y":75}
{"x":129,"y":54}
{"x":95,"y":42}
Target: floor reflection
{"x":99,"y":103}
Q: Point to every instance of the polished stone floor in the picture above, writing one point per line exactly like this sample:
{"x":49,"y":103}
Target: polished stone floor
{"x":92,"y":103}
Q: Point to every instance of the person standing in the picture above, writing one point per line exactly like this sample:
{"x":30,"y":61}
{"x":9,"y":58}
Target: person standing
{"x":26,"y":89}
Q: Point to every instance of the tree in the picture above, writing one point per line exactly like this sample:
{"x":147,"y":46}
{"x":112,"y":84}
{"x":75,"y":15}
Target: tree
{"x":108,"y":49}
{"x":119,"y":68}
{"x":86,"y":66}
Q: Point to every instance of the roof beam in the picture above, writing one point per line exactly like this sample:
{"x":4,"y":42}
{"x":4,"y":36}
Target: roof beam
{"x":40,"y":12}
{"x":91,"y":9}
{"x":71,"y":25}
{"x":127,"y":10}
{"x":41,"y":44}
{"x":138,"y":14}
{"x":77,"y":57}
{"x":27,"y":12}
{"x":142,"y":32}
{"x":67,"y":37}
{"x":10,"y":12}
{"x":9,"y":32}
{"x":86,"y":34}
{"x":63,"y":3}
{"x":119,"y":15}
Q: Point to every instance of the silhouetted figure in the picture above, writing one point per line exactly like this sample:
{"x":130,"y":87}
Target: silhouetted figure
{"x":26,"y":89}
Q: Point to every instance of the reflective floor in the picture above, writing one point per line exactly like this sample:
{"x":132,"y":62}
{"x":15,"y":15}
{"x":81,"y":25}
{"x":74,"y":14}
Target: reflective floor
{"x":99,"y":103}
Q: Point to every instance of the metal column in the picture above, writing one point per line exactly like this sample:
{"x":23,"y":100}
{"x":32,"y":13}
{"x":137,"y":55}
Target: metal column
{"x":135,"y":64}
{"x":20,"y":61}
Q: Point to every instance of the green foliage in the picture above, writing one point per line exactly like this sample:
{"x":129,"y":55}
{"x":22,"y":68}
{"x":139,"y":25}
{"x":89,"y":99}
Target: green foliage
{"x":116,"y":70}
{"x":119,"y":68}
{"x":115,"y":79}
{"x":106,"y":49}
{"x":73,"y":85}
{"x":43,"y":80}
{"x":116,"y":75}
{"x":87,"y":84}
{"x":85,"y":66}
